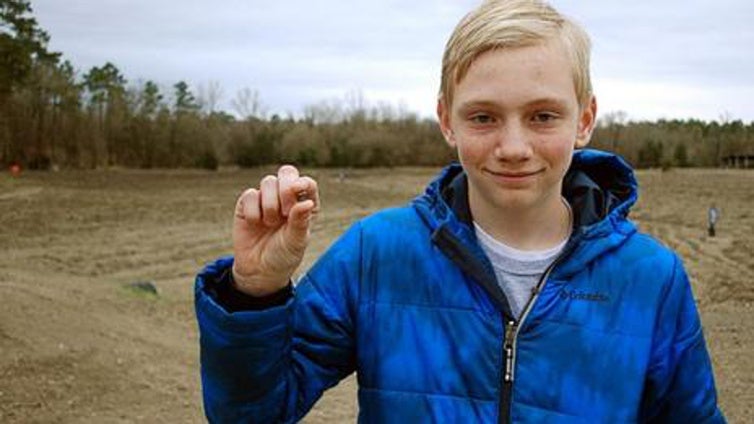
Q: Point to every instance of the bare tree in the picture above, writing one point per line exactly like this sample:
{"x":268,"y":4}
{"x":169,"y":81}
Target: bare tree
{"x":324,"y":112}
{"x":614,"y":122}
{"x":248,"y":105}
{"x":210,"y":96}
{"x":355,"y":104}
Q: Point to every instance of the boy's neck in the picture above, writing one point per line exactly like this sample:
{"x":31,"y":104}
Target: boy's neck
{"x":535,"y":228}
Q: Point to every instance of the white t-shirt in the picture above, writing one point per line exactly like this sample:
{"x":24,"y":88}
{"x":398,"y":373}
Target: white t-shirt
{"x":517,"y":271}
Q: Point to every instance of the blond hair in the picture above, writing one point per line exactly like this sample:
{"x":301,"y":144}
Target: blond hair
{"x":503,"y":24}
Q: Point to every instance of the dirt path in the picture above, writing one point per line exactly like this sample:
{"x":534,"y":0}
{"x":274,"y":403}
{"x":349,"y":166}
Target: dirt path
{"x":76,"y":345}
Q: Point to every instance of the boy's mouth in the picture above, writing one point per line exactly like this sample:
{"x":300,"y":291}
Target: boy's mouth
{"x":512,"y":175}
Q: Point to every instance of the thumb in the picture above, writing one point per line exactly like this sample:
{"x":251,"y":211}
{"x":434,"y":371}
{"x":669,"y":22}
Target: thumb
{"x":299,"y":221}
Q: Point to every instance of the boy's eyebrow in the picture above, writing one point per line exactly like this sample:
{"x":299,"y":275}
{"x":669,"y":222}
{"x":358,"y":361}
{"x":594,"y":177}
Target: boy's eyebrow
{"x":492,"y":104}
{"x":474,"y":104}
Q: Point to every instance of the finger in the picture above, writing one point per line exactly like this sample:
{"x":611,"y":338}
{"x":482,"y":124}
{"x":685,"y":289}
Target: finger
{"x":301,"y":214}
{"x":287,"y":177}
{"x":299,"y":221}
{"x":270,"y":204}
{"x":247,"y":206}
{"x":306,"y":189}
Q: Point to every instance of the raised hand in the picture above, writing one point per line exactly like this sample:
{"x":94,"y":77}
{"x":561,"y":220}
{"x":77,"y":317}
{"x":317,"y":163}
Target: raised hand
{"x":271,"y":230}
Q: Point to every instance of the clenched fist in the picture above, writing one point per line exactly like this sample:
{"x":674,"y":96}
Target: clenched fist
{"x":271,"y":230}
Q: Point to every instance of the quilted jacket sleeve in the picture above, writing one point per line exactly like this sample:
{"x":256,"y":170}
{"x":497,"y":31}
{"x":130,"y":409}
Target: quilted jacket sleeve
{"x":272,"y":365}
{"x":680,"y":387}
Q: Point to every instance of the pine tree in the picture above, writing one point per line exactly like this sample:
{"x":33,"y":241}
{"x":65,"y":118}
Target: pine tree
{"x":23,"y":45}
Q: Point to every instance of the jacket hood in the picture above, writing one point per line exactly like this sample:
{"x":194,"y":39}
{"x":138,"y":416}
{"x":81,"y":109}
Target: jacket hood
{"x":600,"y":187}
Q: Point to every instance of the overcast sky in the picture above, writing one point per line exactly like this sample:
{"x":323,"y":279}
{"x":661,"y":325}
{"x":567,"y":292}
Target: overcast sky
{"x":651,"y":59}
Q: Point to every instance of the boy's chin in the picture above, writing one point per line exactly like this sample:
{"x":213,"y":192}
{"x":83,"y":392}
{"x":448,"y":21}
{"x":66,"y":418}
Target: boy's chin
{"x":514,"y":200}
{"x":522,"y":200}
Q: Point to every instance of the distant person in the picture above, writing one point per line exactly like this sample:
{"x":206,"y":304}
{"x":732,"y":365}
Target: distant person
{"x":713,"y":214}
{"x":514,"y":289}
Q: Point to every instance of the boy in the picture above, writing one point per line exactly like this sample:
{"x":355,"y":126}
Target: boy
{"x":513,"y":290}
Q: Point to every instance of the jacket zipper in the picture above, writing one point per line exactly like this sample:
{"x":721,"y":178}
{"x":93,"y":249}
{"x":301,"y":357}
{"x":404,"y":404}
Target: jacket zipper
{"x":507,"y":389}
{"x":512,"y":329}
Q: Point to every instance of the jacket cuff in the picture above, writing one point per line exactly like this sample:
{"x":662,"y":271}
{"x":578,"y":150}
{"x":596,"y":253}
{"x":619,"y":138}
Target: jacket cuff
{"x":223,"y":290}
{"x":219,"y":328}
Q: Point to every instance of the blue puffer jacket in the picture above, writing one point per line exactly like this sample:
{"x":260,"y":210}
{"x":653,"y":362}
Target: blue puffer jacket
{"x":408,"y":300}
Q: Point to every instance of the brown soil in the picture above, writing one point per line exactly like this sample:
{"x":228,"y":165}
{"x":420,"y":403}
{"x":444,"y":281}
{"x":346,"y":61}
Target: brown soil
{"x":77,"y":345}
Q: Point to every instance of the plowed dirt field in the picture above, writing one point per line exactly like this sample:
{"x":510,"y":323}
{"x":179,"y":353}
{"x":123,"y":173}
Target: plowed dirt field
{"x":78,"y":345}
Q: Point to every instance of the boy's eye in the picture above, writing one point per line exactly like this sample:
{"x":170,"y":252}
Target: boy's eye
{"x":481,"y":118}
{"x":544,"y":117}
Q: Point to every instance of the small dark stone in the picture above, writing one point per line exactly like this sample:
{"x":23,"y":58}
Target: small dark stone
{"x":144,"y":286}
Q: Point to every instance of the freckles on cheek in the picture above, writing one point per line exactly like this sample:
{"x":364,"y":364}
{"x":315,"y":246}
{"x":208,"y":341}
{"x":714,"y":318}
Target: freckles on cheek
{"x":464,"y":150}
{"x":472,"y":156}
{"x":560,"y":152}
{"x":562,"y":147}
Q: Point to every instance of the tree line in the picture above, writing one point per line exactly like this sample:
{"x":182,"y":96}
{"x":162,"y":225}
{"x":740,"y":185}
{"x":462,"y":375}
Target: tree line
{"x":674,"y":143}
{"x":52,"y":115}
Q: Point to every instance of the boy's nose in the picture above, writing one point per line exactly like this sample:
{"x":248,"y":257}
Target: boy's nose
{"x":512,"y":145}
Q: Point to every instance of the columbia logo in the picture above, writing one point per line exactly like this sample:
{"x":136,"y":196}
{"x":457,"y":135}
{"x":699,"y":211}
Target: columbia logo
{"x":580,"y":295}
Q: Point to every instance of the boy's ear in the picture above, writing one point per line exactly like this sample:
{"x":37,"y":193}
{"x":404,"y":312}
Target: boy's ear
{"x":443,"y":115}
{"x":587,"y":121}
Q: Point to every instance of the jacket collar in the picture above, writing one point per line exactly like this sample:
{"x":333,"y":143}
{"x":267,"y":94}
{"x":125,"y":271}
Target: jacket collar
{"x":600,"y":187}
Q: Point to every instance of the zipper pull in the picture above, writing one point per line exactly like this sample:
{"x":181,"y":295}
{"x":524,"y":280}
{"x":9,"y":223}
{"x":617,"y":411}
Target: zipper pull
{"x":510,"y":330}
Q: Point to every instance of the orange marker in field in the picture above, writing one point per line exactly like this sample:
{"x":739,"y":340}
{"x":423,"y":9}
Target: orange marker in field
{"x":15,"y":170}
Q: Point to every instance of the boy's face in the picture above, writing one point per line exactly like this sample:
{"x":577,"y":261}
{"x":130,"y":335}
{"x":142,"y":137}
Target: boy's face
{"x":515,"y":120}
